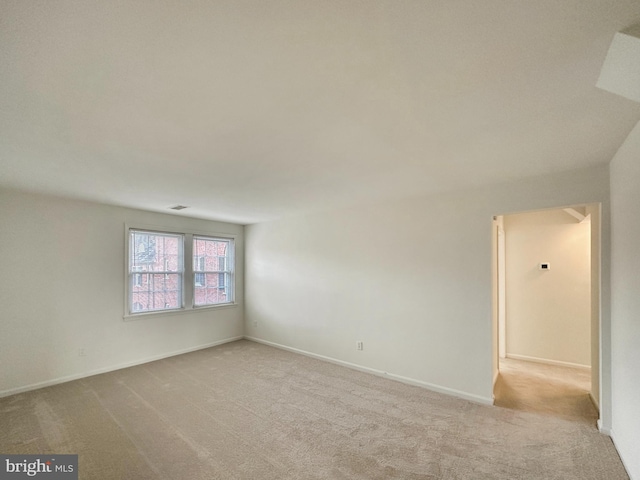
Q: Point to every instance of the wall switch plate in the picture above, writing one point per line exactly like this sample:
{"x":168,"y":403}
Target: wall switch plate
{"x":359,"y":345}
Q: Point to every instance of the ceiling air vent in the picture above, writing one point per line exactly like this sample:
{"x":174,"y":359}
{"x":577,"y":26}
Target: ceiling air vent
{"x":179,"y":207}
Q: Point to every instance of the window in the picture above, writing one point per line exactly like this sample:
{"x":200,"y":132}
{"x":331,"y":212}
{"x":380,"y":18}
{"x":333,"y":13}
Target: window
{"x":212,"y":270}
{"x":156,"y":271}
{"x":173,"y":271}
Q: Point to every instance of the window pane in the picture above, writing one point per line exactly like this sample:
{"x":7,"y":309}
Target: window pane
{"x":155,"y":271}
{"x":155,"y":252}
{"x":213,"y":270}
{"x":207,"y":253}
{"x":156,"y":291}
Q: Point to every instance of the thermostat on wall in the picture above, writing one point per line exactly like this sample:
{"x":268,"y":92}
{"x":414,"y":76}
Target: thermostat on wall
{"x":544,"y":266}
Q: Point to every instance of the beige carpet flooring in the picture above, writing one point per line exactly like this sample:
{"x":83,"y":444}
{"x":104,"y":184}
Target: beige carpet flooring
{"x":547,"y":389}
{"x":248,"y":411}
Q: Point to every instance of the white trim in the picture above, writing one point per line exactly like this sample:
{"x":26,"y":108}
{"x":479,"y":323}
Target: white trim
{"x":548,"y":362}
{"x":69,"y":378}
{"x":380,"y":373}
{"x":177,"y":311}
{"x":602,"y":428}
{"x":493,"y":389}
{"x":170,"y":229}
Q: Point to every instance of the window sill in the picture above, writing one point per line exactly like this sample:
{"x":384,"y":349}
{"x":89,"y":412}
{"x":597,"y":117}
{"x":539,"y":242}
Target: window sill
{"x":169,"y":313}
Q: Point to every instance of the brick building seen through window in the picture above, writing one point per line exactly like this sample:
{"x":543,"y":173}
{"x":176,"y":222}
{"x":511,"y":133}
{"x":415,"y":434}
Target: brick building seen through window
{"x":212,"y":270}
{"x":157,"y":271}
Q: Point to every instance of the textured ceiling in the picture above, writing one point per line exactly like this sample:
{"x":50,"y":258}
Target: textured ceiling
{"x":253,"y":110}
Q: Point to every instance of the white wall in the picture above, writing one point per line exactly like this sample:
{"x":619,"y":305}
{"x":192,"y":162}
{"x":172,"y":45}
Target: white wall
{"x":410,"y":278}
{"x":625,"y":301}
{"x":593,"y":211}
{"x":548,"y":311}
{"x":62,"y":289}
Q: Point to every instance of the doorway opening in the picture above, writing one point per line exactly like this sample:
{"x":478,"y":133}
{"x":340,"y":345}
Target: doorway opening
{"x":546,"y":311}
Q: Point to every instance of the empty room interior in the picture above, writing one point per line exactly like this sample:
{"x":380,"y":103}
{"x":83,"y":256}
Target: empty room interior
{"x":320,"y":240}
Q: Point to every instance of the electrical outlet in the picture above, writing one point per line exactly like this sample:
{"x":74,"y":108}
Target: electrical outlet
{"x":255,"y":324}
{"x":82,"y":352}
{"x":359,"y":345}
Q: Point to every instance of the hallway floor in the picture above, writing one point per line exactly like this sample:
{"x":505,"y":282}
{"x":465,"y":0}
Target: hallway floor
{"x":549,"y":389}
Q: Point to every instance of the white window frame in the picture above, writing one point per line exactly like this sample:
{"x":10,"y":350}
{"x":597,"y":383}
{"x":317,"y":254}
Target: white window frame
{"x":229,"y":269}
{"x":188,"y":277}
{"x":135,"y":272}
{"x":200,"y":272}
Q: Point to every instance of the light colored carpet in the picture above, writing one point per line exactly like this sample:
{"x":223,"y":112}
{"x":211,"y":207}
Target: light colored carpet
{"x":549,"y":389}
{"x":248,"y":411}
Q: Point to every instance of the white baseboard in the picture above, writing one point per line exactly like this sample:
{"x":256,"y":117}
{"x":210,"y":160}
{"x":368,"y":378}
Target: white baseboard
{"x":603,"y":429}
{"x":546,"y":361}
{"x":69,"y":378}
{"x":380,"y":373}
{"x":493,"y":390}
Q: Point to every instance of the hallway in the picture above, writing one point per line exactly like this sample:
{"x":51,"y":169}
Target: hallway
{"x":549,"y":389}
